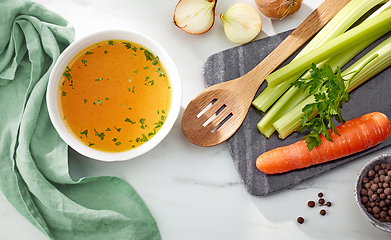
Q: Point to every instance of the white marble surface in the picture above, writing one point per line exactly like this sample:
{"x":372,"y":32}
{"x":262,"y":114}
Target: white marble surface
{"x":195,"y":193}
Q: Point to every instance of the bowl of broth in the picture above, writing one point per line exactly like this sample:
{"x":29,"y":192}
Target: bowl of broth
{"x":114,"y":95}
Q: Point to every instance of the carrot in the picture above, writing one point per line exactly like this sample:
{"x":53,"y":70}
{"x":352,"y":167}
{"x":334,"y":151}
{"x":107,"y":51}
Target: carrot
{"x":355,"y":136}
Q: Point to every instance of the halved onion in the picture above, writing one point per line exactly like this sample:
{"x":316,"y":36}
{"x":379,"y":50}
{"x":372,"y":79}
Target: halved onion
{"x":195,"y":16}
{"x":242,"y":23}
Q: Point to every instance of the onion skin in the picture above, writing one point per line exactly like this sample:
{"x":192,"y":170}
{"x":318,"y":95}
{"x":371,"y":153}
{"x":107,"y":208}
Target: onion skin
{"x":195,"y":16}
{"x":278,"y":9}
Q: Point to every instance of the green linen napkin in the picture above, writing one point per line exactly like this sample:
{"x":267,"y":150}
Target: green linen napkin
{"x":34,"y":173}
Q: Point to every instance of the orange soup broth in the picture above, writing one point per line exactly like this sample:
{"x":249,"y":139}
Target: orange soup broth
{"x":114,"y":96}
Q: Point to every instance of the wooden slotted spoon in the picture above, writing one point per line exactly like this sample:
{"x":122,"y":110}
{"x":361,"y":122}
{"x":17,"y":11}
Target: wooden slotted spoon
{"x":228,"y":102}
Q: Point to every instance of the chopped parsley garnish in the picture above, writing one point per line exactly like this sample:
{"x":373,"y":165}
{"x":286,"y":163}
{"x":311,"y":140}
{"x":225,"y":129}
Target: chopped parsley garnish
{"x":146,"y":68}
{"x":142,"y":139}
{"x":91,"y":144}
{"x":108,"y":129}
{"x":99,"y":79}
{"x":118,"y":143}
{"x":88,"y":53}
{"x":111,"y":43}
{"x":143,"y":125}
{"x":127,"y":45}
{"x":148,"y":55}
{"x":105,"y":51}
{"x":64,"y":93}
{"x":100,"y":135}
{"x":150,"y":83}
{"x":85,"y":132}
{"x":118,"y":129}
{"x":99,"y":102}
{"x":160,"y":72}
{"x":129,"y":121}
{"x":67,"y":74}
{"x":156,"y":61}
{"x":84,"y":62}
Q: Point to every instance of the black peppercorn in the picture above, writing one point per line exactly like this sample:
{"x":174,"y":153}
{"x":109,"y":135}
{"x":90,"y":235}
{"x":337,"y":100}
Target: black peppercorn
{"x":311,"y":204}
{"x":322,"y":212}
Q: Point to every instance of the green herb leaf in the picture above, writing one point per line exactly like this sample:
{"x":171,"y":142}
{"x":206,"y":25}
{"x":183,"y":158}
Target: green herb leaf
{"x":88,"y":53}
{"x":67,"y":74}
{"x":100,"y":135}
{"x":148,"y":55}
{"x":156,"y":61}
{"x":160,"y":72}
{"x":329,"y":89}
{"x":111,"y":43}
{"x":127,"y":45}
{"x":129,"y":121}
{"x":85,"y":132}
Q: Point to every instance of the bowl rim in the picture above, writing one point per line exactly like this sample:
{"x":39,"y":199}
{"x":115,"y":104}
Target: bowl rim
{"x":79,"y":45}
{"x":386,"y":157}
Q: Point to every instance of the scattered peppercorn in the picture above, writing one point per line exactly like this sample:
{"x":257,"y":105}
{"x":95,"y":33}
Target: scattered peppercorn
{"x":322,"y":212}
{"x":322,"y":202}
{"x":311,"y":204}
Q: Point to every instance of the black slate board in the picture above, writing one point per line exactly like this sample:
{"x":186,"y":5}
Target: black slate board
{"x":248,"y":143}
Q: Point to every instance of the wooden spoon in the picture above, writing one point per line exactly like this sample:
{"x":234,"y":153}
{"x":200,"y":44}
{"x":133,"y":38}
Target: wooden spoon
{"x":228,"y":102}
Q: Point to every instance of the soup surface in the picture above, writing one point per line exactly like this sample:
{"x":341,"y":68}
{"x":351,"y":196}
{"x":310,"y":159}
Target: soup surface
{"x":114,"y":96}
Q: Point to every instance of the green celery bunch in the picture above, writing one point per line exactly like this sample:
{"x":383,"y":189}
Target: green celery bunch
{"x":292,"y":120}
{"x":343,"y":20}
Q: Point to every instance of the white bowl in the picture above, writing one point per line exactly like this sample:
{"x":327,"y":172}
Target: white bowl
{"x":69,"y":53}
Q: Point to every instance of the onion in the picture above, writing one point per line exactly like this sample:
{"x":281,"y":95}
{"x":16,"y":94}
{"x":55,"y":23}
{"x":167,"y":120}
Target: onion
{"x":195,"y":16}
{"x":278,"y":9}
{"x":242,"y":23}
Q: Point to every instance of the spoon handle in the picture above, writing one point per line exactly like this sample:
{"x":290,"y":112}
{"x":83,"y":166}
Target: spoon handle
{"x":306,"y":30}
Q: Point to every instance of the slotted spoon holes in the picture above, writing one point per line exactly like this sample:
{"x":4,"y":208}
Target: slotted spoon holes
{"x":210,"y":121}
{"x":214,"y":116}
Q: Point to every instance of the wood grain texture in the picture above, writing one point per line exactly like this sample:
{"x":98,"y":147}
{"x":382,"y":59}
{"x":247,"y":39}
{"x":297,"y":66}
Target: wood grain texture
{"x":235,"y":96}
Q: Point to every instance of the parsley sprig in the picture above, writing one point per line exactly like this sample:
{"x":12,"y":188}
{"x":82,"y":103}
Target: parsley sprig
{"x":330,"y":91}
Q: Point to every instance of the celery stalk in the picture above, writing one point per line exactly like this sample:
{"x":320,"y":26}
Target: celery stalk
{"x":292,"y":119}
{"x":379,"y":24}
{"x":294,"y":96}
{"x":336,"y":26}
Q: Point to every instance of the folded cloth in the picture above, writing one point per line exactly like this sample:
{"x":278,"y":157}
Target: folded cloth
{"x":34,"y":173}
